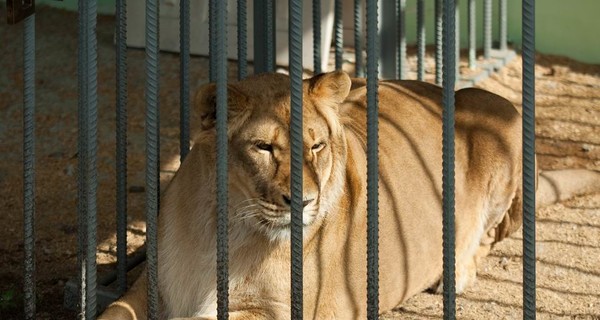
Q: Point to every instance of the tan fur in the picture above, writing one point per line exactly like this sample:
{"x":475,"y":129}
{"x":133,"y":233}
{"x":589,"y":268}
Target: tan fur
{"x":488,"y":176}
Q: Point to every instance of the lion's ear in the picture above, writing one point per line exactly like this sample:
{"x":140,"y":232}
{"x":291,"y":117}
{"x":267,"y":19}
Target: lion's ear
{"x":205,"y":102}
{"x":332,"y":86}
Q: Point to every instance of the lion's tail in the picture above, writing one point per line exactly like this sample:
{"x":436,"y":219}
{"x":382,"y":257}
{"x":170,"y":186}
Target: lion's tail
{"x":559,"y":185}
{"x":552,"y":187}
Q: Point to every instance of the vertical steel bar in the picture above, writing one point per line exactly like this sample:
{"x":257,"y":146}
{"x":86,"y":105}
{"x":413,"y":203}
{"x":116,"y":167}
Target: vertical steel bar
{"x":339,"y":35}
{"x":264,"y":36}
{"x":242,"y":39}
{"x":529,"y":171}
{"x":438,"y":41}
{"x":220,"y":40}
{"x":270,"y":31}
{"x":487,"y":28}
{"x":29,"y":166}
{"x":472,"y":35}
{"x":388,"y":38}
{"x":448,"y":159}
{"x":88,"y":102}
{"x":457,"y":36}
{"x":503,"y":24}
{"x":297,"y":158}
{"x":401,"y":39}
{"x":358,"y":38}
{"x":152,"y":152}
{"x":121,"y":143}
{"x":316,"y":23}
{"x":82,"y":71}
{"x":184,"y":78}
{"x":372,"y":162}
{"x":420,"y":40}
{"x":211,"y":45}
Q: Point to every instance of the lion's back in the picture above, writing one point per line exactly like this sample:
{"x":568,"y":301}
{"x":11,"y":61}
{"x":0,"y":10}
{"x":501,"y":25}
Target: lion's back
{"x":410,"y":172}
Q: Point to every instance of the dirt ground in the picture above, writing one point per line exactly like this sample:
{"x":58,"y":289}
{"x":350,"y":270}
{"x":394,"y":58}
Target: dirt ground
{"x":568,"y":132}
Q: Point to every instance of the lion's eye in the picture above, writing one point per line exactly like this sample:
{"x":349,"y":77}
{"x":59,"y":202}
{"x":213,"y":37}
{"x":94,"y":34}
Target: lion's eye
{"x":318,"y":146}
{"x":264,"y":146}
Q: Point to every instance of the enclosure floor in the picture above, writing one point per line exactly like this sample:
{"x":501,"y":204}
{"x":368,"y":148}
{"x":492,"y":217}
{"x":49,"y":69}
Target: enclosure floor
{"x":568,"y":131}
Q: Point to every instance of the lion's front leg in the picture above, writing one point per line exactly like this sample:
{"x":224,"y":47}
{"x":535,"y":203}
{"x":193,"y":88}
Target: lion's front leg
{"x":253,"y":314}
{"x":132,"y":306}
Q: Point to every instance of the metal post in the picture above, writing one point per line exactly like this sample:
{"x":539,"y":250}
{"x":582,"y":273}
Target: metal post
{"x":420,"y":40}
{"x":448,"y":159}
{"x":242,"y":39}
{"x":387,"y":28}
{"x":264,"y":36}
{"x":487,"y":28}
{"x":316,"y":6}
{"x":472,"y":35}
{"x":372,"y":163}
{"x":529,"y":171}
{"x":87,"y":150}
{"x":29,"y":290}
{"x":358,"y":38}
{"x":211,"y":45}
{"x":121,"y":143}
{"x":339,"y":35}
{"x":457,"y":36}
{"x":438,"y":41}
{"x":297,"y":146}
{"x":152,"y":153}
{"x":401,"y":39}
{"x":219,"y":38}
{"x":503,"y":24}
{"x":184,"y":82}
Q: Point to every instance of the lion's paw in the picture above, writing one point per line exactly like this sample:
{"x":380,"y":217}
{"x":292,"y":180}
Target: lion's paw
{"x":466,"y":276}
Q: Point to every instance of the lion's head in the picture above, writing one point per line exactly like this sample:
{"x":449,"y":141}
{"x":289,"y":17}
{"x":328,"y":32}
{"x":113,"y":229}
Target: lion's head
{"x":259,"y":148}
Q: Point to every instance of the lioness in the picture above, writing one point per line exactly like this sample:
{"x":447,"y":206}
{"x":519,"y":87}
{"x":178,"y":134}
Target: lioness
{"x":488,"y":206}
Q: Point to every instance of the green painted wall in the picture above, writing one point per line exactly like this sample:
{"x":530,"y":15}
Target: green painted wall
{"x":568,"y":28}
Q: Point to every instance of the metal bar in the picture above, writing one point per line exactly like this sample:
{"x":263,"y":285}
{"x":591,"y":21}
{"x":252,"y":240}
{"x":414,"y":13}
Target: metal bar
{"x":388,"y":39}
{"x":372,"y":162}
{"x":264,"y":36}
{"x":242,"y":39}
{"x":339,"y":35}
{"x":457,"y":36}
{"x":134,"y":260}
{"x":81,"y":159}
{"x":503,"y":24}
{"x":421,"y":40}
{"x":220,"y":39}
{"x":152,"y":153}
{"x":438,"y":41}
{"x":29,"y":290}
{"x":297,"y":146}
{"x":211,"y":45}
{"x":121,"y":143}
{"x":529,"y":170}
{"x":88,"y":103}
{"x":316,"y":23}
{"x":487,"y":28}
{"x":400,"y":39}
{"x":358,"y":39}
{"x":448,"y":159}
{"x":184,"y":80}
{"x":472,"y":34}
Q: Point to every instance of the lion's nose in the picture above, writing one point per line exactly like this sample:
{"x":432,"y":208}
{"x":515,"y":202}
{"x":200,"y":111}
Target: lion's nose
{"x":288,"y":200}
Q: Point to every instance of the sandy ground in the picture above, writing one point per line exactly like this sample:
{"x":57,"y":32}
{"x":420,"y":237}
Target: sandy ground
{"x":568,"y":131}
